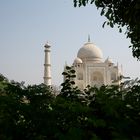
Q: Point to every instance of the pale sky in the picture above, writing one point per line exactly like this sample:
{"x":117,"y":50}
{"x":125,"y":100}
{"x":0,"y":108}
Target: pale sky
{"x":26,"y":25}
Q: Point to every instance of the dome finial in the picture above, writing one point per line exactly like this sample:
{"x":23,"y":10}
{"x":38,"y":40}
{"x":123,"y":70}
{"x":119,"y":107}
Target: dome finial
{"x":88,"y":38}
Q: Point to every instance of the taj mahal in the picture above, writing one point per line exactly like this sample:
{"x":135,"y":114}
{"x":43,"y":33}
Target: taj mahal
{"x":89,"y":66}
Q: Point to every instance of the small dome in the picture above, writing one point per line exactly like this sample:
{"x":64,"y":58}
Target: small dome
{"x":90,"y":50}
{"x":78,"y":61}
{"x":109,"y":61}
{"x":47,"y":45}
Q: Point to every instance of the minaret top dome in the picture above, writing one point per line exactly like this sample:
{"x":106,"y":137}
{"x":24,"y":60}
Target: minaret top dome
{"x":47,"y":45}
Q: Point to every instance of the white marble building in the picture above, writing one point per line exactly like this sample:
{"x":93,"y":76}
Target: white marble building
{"x":92,"y":70}
{"x":47,"y":65}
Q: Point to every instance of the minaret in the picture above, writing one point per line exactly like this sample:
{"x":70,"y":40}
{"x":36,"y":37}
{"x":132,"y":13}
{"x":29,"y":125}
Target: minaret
{"x":47,"y":66}
{"x":88,"y":38}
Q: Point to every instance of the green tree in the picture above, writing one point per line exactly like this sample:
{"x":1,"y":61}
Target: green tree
{"x":99,"y":113}
{"x":112,"y":113}
{"x":68,"y":86}
{"x":33,"y":113}
{"x":121,"y":13}
{"x":24,"y":111}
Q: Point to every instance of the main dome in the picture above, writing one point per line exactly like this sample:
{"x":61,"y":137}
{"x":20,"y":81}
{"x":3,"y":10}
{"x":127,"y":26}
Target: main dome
{"x":90,"y":51}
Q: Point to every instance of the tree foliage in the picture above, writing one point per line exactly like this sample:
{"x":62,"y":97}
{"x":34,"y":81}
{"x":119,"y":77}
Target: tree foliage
{"x":34,"y":113}
{"x":121,"y":13}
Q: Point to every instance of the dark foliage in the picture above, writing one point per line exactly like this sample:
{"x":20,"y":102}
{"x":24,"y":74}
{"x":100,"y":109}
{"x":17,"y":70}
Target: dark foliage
{"x":33,"y":113}
{"x":121,"y":13}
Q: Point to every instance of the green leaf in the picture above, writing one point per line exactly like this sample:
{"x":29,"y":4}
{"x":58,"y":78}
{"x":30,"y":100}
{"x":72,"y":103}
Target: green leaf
{"x":83,"y":2}
{"x":68,"y":68}
{"x":64,"y":73}
{"x":91,"y":1}
{"x":73,"y":76}
{"x":75,"y":3}
{"x":72,"y":71}
{"x":102,"y":12}
{"x":72,"y":82}
{"x":104,"y":24}
{"x":111,"y":25}
{"x":120,"y":30}
{"x":97,"y":3}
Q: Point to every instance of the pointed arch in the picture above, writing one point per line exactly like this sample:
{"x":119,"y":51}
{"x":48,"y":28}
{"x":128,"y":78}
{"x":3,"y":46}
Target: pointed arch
{"x":96,"y":78}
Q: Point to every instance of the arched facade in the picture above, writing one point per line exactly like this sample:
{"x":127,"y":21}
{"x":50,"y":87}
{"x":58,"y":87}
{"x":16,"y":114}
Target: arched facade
{"x":113,"y":76}
{"x":80,"y":76}
{"x":96,"y":78}
{"x":92,"y":70}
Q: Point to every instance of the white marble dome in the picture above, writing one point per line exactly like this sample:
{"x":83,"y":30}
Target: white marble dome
{"x":90,"y":50}
{"x":78,"y":61}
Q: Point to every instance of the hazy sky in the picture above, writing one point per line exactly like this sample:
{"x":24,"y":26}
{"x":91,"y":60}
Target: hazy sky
{"x":26,"y":25}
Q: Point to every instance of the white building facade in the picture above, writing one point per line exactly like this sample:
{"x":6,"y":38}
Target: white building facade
{"x":92,"y":70}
